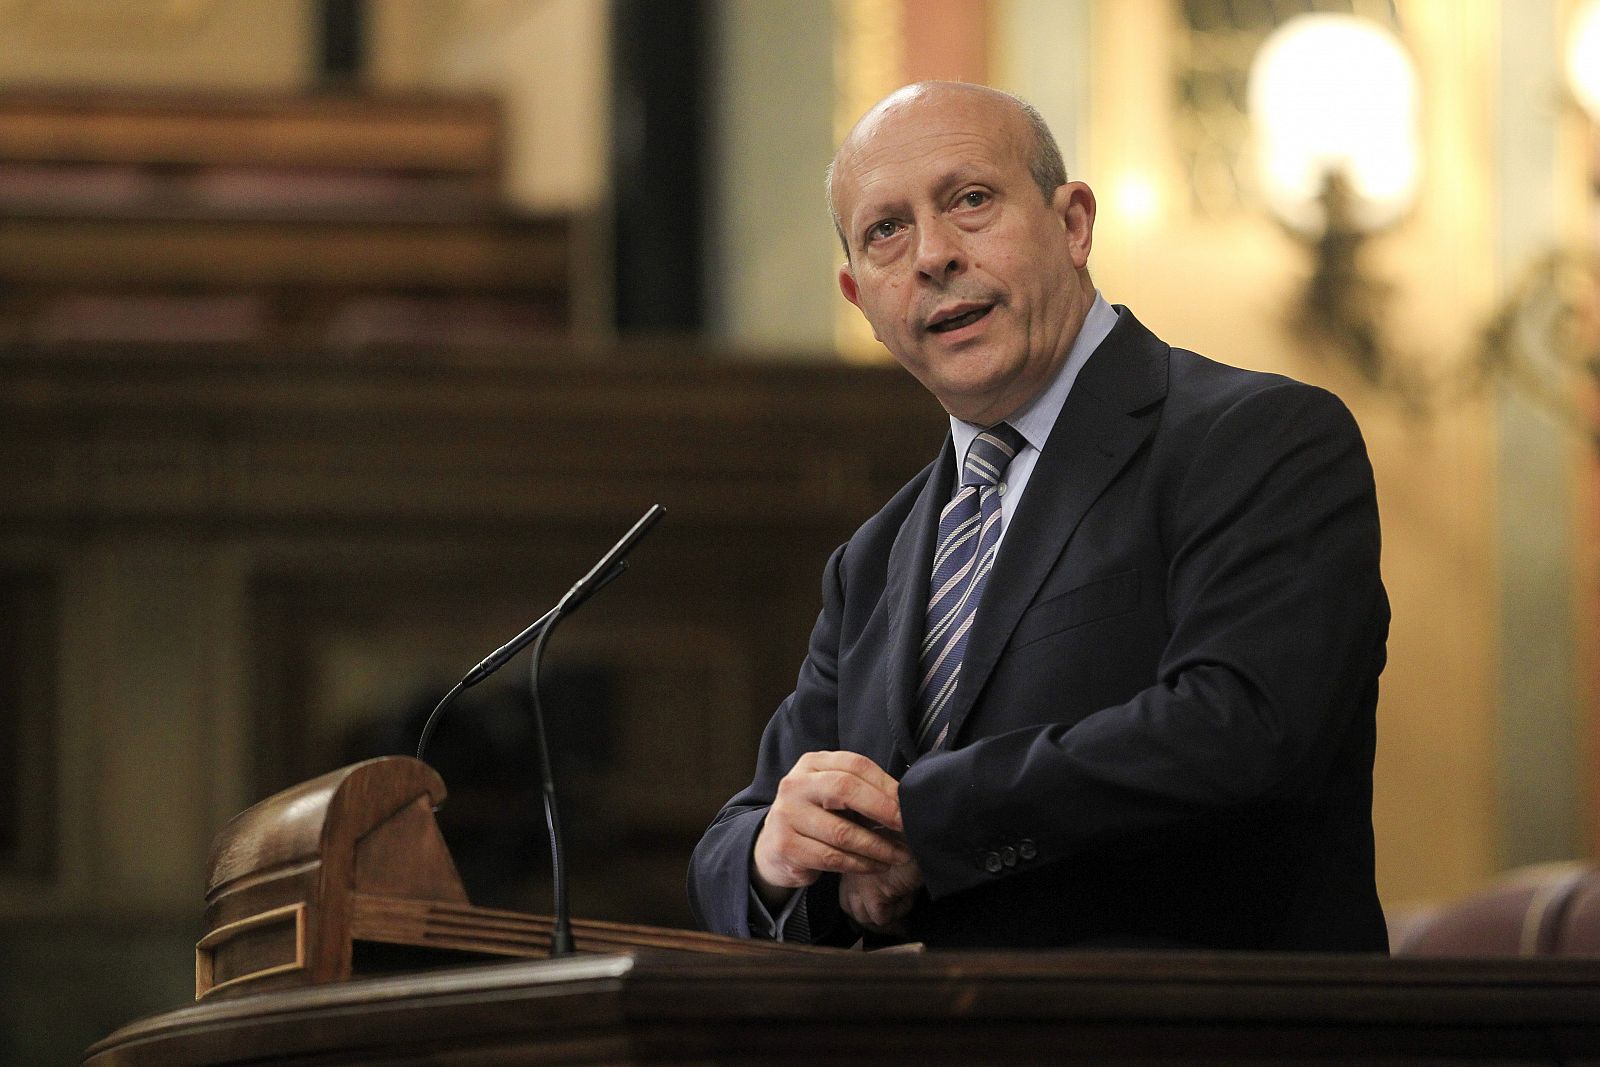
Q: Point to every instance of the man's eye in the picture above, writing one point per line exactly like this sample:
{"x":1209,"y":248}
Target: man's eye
{"x":974,"y":198}
{"x":881,"y":230}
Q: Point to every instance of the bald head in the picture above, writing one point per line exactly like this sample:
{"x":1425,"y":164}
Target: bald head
{"x":1021,"y":119}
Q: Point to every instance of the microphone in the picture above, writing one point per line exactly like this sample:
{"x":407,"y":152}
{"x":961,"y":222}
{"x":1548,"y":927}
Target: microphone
{"x":497,"y":659}
{"x":561,"y":918}
{"x":602,"y":574}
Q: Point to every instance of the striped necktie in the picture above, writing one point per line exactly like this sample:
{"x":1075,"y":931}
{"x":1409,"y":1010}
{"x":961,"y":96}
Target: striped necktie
{"x":969,"y":534}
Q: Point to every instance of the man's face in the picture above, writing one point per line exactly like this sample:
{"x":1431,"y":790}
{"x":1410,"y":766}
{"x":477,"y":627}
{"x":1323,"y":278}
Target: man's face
{"x":966,"y":273}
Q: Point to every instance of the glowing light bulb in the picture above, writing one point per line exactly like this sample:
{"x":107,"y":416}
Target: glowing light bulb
{"x":1583,"y":58}
{"x":1335,"y":93}
{"x":1136,"y":199}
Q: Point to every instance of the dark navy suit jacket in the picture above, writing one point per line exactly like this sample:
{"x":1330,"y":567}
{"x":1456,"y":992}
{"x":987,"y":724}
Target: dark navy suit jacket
{"x":1164,"y":730}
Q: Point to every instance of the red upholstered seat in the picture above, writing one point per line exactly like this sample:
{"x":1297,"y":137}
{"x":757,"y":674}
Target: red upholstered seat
{"x":1545,"y":910}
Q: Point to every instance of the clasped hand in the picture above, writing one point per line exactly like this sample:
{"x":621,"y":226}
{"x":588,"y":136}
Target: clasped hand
{"x":838,"y":812}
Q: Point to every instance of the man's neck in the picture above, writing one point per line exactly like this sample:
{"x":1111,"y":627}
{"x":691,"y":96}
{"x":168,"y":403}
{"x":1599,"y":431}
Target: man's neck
{"x":1035,"y":417}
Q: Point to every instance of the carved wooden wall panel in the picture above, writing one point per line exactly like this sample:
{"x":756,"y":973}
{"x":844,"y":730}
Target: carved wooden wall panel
{"x":326,"y":544}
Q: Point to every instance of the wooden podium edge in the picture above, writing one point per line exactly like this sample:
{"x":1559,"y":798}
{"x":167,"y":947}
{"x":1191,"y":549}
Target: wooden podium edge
{"x":948,"y":1007}
{"x":470,"y":928}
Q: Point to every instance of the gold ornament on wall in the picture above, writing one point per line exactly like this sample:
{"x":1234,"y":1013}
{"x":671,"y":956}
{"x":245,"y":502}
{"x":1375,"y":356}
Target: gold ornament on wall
{"x":1334,"y":105}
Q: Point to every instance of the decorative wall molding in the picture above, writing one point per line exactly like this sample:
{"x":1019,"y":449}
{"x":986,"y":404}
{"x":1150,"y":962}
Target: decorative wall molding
{"x":260,"y":553}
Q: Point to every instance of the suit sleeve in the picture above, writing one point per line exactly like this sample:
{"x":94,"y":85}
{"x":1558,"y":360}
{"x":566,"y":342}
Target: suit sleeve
{"x":1276,"y":617}
{"x":719,"y":871}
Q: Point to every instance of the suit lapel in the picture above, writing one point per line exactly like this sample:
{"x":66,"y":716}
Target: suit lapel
{"x":906,"y":597}
{"x":1094,"y":437}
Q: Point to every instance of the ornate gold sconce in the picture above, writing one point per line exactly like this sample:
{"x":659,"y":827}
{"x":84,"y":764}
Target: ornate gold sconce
{"x":1544,"y":338}
{"x":1333,"y":110}
{"x":1333,"y":106}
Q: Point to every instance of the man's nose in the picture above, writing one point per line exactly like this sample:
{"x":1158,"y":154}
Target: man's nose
{"x":939,"y":250}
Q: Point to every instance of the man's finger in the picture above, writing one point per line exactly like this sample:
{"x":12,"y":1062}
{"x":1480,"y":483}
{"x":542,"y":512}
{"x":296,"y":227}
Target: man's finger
{"x":809,"y":854}
{"x":816,"y":822}
{"x":835,"y":785}
{"x":840,"y":834}
{"x":863,"y":900}
{"x":841,"y":790}
{"x":786,"y":857}
{"x":853,"y":763}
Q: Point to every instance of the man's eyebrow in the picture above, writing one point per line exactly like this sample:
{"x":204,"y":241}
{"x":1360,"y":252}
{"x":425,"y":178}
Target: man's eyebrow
{"x":968,"y":173}
{"x":870,"y":212}
{"x":958,"y":177}
{"x":965,"y":173}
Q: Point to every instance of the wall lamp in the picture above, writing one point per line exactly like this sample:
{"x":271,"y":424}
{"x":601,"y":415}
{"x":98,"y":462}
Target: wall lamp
{"x":1333,"y":102}
{"x":1333,"y":110}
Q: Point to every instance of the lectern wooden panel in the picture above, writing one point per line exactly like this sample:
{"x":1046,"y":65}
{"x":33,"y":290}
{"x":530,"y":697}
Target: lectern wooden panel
{"x":306,"y":885}
{"x":938,"y":1008}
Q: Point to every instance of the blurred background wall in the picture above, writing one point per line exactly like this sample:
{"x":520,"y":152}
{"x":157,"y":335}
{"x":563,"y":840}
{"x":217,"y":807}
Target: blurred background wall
{"x":337,"y":337}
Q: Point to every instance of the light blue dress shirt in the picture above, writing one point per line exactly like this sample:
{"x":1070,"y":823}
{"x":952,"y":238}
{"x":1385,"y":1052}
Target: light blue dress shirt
{"x":1038,"y":417}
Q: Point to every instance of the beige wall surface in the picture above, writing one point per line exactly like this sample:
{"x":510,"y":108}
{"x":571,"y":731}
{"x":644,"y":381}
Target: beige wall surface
{"x":771,"y":252}
{"x":547,"y":61}
{"x":157,"y":44}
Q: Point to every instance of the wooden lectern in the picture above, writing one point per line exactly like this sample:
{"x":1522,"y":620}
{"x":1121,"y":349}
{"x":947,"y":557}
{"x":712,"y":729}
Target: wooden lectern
{"x":348,"y":874}
{"x":327,"y":880}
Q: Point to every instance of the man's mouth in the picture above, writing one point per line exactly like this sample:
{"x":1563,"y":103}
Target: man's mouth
{"x":955,"y":322}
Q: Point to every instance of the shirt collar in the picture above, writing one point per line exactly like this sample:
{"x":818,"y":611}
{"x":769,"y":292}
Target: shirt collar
{"x":1035,"y":419}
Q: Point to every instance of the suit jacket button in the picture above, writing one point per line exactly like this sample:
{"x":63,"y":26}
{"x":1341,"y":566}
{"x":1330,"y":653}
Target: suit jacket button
{"x":992,"y":863}
{"x":1008,"y":856}
{"x":1027,"y":849}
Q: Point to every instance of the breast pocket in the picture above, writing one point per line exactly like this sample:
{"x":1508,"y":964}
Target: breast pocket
{"x":1098,"y":598}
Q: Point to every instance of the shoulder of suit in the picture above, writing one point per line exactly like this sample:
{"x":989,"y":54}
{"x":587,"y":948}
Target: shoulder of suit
{"x":1206,"y":382}
{"x":1203,"y":393}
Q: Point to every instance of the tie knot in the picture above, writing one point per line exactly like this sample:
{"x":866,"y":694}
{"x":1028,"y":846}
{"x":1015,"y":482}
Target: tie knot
{"x":989,"y":454}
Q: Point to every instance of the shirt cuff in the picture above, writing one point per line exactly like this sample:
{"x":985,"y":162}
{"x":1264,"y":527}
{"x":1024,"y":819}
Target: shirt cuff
{"x":791,"y":920}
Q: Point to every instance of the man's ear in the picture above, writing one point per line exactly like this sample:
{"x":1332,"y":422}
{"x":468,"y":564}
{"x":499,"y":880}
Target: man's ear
{"x":1074,"y":203}
{"x":847,"y":285}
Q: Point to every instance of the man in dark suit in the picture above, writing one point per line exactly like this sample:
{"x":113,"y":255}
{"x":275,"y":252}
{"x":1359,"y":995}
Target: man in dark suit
{"x":1104,"y":673}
